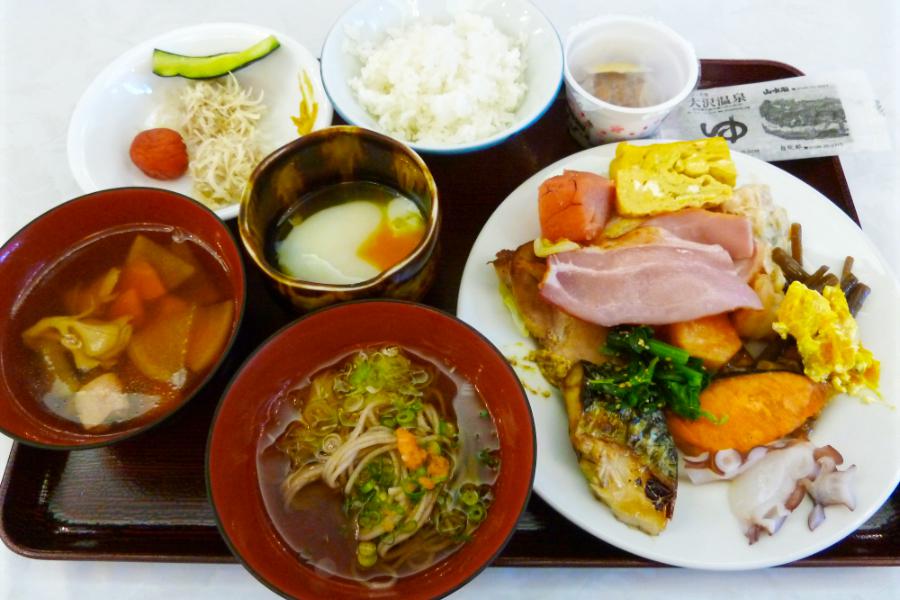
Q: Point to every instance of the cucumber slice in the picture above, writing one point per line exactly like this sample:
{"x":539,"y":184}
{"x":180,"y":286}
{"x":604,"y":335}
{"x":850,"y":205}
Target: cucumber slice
{"x":169,"y":64}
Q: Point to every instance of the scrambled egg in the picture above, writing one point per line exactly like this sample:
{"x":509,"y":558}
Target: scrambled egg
{"x":827,"y":338}
{"x":663,"y":178}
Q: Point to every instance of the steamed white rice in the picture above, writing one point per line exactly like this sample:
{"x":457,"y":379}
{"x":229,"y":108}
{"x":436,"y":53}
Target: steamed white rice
{"x":449,"y":83}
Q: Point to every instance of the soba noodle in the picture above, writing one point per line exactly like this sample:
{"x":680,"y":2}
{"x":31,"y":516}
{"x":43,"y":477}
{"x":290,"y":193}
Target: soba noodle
{"x":381,"y":429}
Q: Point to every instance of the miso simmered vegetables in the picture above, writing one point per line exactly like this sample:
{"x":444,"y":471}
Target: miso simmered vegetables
{"x":125,"y":325}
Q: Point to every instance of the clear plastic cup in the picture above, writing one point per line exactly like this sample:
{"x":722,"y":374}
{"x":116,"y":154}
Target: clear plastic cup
{"x":623,"y":76}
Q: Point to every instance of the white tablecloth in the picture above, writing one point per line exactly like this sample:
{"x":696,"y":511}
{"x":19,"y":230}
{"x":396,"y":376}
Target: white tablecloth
{"x":51,"y":50}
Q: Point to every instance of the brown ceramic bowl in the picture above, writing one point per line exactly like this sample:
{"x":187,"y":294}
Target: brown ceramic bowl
{"x":327,"y":157}
{"x":42,"y":243}
{"x":301,"y":349}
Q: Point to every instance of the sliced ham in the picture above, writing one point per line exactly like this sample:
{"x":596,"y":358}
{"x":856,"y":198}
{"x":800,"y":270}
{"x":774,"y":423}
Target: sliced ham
{"x":732,"y":232}
{"x":747,"y":268}
{"x":574,"y":206}
{"x":648,"y":277}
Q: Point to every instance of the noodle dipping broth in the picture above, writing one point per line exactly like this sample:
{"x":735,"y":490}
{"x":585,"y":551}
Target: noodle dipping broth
{"x":379,"y":465}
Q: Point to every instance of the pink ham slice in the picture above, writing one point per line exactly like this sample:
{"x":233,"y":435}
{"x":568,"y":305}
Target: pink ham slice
{"x":732,"y":232}
{"x":661,"y":279}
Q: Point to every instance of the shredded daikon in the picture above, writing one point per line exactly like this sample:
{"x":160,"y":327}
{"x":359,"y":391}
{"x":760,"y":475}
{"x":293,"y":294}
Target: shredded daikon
{"x":218,"y":121}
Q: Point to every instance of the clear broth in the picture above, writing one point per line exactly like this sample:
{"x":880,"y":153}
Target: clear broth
{"x":314,"y":524}
{"x":146,"y":398}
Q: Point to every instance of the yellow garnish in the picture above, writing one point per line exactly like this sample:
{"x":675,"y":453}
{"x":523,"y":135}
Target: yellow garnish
{"x":827,"y":339}
{"x":309,"y":108}
{"x":618,"y":67}
{"x":412,"y":455}
{"x":544,"y":247}
{"x":438,"y":466}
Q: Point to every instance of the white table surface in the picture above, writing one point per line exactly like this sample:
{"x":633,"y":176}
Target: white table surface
{"x":51,"y":50}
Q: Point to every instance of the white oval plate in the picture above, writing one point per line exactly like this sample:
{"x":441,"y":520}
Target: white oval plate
{"x":703,"y":532}
{"x":122,"y":100}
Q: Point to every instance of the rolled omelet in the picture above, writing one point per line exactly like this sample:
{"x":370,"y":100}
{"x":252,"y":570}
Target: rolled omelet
{"x":661,"y":178}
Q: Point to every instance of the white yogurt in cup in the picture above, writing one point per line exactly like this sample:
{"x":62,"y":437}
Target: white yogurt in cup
{"x":623,"y":76}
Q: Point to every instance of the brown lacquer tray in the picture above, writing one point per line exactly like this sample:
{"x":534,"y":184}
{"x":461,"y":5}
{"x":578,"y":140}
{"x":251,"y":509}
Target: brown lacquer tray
{"x":145,"y":498}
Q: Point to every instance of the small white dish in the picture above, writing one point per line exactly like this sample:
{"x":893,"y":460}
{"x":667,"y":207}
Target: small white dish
{"x":371,"y":18}
{"x":704,"y":534}
{"x":121,"y":102}
{"x":671,"y":66}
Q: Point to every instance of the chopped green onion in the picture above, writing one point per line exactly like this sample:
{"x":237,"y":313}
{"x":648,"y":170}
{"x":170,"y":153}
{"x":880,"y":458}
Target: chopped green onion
{"x":405,"y":417}
{"x":409,"y":486}
{"x":475,"y":513}
{"x":353,"y":403}
{"x":488,"y":458}
{"x":347,"y":419}
{"x":408,"y":526}
{"x":447,"y":429}
{"x":386,"y":478}
{"x":369,"y":519}
{"x":366,"y":560}
{"x":366,"y":549}
{"x":469,"y":497}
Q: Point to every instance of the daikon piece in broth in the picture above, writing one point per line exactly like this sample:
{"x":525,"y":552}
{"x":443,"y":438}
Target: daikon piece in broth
{"x":126,"y":323}
{"x":379,"y":465}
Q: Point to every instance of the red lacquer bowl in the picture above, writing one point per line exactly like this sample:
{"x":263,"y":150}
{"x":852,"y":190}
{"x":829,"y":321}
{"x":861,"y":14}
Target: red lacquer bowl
{"x":318,"y":340}
{"x":42,"y":243}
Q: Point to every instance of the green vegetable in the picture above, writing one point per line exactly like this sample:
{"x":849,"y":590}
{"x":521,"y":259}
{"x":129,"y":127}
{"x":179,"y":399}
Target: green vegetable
{"x":650,"y":374}
{"x":446,"y":429}
{"x":489,"y":458}
{"x":366,"y":554}
{"x":475,"y":513}
{"x":405,"y":417}
{"x":169,"y":64}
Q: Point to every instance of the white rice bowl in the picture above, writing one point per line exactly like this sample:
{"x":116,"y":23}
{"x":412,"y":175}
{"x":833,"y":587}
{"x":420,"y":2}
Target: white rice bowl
{"x":429,"y":81}
{"x":460,"y":78}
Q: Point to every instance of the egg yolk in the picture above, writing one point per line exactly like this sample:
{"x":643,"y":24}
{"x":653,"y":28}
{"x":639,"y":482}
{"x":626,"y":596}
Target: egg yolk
{"x":385,"y":247}
{"x":354,"y":240}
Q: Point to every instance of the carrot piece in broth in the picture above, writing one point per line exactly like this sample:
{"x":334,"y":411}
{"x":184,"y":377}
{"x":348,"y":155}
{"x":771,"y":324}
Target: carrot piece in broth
{"x":139,"y":275}
{"x":128,"y":303}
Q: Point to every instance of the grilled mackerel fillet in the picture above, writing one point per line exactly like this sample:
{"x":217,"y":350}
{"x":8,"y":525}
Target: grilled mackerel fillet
{"x":630,"y":461}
